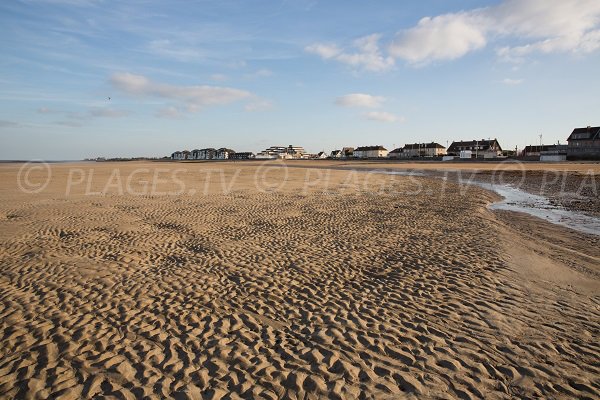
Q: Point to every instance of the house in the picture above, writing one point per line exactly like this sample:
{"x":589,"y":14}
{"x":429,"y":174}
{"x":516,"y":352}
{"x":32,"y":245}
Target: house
{"x":479,"y":149}
{"x":295,"y":151}
{"x":242,"y":156}
{"x":194,"y":154}
{"x":534,"y":151}
{"x":203,"y":154}
{"x":336,"y":154}
{"x":322,"y":155}
{"x":584,"y":144}
{"x":282,"y":152}
{"x":423,"y":150}
{"x":557,"y":152}
{"x":181,"y":155}
{"x":370,"y":152}
{"x":396,"y":153}
{"x":224,"y":154}
{"x":347,"y":152}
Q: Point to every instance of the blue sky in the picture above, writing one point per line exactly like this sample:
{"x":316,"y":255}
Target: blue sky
{"x":320,"y":74}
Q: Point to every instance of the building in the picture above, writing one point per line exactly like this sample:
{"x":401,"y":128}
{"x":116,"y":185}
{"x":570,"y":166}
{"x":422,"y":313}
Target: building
{"x":194,"y":154}
{"x":479,"y":148}
{"x":534,"y":151}
{"x":203,"y":154}
{"x":370,"y":152}
{"x":336,"y":154}
{"x":289,"y":152}
{"x":181,"y":155}
{"x":224,"y":153}
{"x":584,"y":144}
{"x":322,"y":155}
{"x":554,"y":153}
{"x":347,"y":152}
{"x":545,"y":152}
{"x":423,"y":150}
{"x":242,"y":156}
{"x":295,"y":151}
{"x":396,"y":153}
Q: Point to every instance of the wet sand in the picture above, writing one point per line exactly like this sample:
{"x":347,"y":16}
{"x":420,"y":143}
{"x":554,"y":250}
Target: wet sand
{"x":134,"y":280}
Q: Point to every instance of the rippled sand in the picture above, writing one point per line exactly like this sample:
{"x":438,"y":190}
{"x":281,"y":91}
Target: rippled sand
{"x":267,"y":282}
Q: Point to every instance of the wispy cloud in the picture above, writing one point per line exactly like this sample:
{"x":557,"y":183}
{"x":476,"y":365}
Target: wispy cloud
{"x":360,"y":100}
{"x":69,"y":123}
{"x":261,"y":73}
{"x":512,"y":82}
{"x":383,"y":116}
{"x":166,"y":48}
{"x":364,"y":54}
{"x":169,"y":112}
{"x":258,"y":105}
{"x":6,"y":124}
{"x":193,"y":97}
{"x":219,"y":77}
{"x":102,"y":112}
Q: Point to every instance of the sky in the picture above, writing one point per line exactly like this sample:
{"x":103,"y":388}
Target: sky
{"x":100,"y":78}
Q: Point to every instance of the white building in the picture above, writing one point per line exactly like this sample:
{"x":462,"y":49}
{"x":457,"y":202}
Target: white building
{"x":224,"y":154}
{"x":287,"y":153}
{"x":370,"y":152}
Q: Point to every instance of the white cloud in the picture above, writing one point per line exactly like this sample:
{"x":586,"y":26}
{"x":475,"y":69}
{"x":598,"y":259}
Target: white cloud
{"x":524,"y":27}
{"x":194,"y":97}
{"x":445,"y":37}
{"x":360,"y":100}
{"x":326,"y":51}
{"x":512,"y":82}
{"x":367,"y":54}
{"x":548,"y":26}
{"x":383,"y":116}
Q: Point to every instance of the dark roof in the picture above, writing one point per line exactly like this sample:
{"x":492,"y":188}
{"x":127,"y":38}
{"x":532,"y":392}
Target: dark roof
{"x":398,"y":150}
{"x":417,"y":146}
{"x":585,"y":133}
{"x":367,"y":148}
{"x":485,"y":144}
{"x":226,"y":149}
{"x":538,"y":148}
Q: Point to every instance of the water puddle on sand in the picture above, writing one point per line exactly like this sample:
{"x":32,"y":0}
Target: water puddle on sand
{"x":539,"y":206}
{"x":518,"y":200}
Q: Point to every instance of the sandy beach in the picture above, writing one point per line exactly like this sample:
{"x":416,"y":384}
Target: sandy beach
{"x":266,"y":280}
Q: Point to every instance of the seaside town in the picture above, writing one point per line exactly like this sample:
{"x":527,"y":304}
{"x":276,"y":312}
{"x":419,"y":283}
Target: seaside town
{"x":582,"y":144}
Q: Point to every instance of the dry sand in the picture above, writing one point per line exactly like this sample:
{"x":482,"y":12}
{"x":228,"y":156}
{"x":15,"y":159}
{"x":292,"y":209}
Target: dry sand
{"x":323,"y":284}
